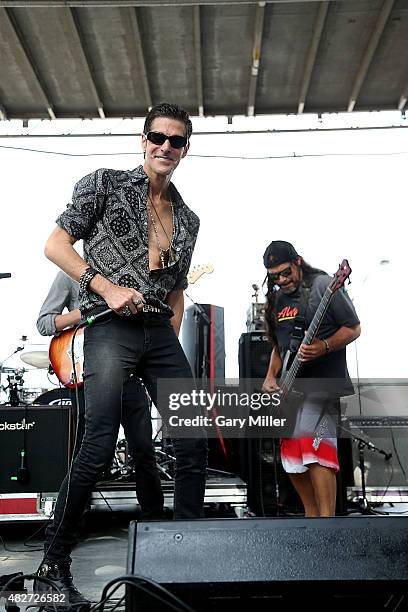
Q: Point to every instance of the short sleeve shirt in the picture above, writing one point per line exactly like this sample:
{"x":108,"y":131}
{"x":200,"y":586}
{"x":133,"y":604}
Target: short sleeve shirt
{"x":340,"y":313}
{"x":109,"y":213}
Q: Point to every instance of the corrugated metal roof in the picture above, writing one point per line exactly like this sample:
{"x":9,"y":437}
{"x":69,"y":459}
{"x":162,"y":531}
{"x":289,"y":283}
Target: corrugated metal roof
{"x":118,"y":58}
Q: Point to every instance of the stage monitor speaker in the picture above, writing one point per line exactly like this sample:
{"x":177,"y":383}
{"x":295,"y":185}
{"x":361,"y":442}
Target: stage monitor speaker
{"x":389,"y":434}
{"x":231,"y":564}
{"x":34,"y":448}
{"x":204,"y":343}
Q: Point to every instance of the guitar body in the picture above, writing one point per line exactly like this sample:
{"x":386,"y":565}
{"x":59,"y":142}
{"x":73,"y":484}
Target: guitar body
{"x":60,"y":357}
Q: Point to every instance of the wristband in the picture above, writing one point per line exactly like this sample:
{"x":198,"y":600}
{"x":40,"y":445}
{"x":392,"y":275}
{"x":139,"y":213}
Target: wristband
{"x":86,"y":278}
{"x":327,"y":345}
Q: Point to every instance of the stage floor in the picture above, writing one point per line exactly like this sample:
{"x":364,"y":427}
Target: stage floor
{"x":99,"y":557}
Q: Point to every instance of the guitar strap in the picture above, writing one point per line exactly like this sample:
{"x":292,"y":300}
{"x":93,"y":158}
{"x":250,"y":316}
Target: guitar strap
{"x":299,"y":324}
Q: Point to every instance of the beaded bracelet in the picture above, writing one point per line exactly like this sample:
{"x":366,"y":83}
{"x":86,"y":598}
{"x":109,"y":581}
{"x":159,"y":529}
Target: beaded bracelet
{"x":328,"y":347}
{"x":86,"y":278}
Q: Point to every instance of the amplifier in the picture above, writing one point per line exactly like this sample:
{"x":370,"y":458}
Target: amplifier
{"x":34,"y":448}
{"x":254,"y":354}
{"x":383,"y":476}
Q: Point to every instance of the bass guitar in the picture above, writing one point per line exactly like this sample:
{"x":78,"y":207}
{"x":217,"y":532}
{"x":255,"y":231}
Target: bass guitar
{"x":292,"y":365}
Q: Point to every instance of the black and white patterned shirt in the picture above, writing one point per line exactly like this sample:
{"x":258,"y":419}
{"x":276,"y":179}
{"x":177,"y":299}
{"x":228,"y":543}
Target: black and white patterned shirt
{"x":108,"y":212}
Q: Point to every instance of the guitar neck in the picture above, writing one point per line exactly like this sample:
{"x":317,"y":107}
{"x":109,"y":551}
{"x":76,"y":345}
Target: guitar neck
{"x":293,"y":371}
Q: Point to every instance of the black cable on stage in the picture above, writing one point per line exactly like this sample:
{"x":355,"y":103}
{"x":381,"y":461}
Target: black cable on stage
{"x":139,"y":582}
{"x":34,"y":577}
{"x":104,"y":499}
{"x":118,"y":604}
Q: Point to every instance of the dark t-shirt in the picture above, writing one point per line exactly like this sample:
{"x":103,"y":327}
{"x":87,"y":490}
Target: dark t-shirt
{"x":340,"y":313}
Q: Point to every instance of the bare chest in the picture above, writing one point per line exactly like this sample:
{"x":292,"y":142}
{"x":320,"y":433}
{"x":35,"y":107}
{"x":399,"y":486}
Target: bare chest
{"x":160,"y":233}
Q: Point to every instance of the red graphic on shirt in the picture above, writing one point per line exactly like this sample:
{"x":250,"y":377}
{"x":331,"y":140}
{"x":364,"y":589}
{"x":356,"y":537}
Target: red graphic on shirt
{"x":287,"y":313}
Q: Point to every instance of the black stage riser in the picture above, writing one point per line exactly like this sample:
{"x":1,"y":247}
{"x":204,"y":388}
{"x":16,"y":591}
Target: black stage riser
{"x":280,"y":558}
{"x":44,"y":431}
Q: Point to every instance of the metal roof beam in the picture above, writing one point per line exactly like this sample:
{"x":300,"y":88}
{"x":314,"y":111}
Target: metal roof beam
{"x":3,"y":113}
{"x":151,"y":3}
{"x":369,"y":53}
{"x":198,"y":63}
{"x":30,"y":62}
{"x":311,"y":55}
{"x":256,"y":57}
{"x":403,"y":99}
{"x":134,"y":22}
{"x":72,"y":16}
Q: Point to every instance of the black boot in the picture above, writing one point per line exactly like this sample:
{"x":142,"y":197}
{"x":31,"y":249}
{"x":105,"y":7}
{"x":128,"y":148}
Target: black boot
{"x":59,"y":573}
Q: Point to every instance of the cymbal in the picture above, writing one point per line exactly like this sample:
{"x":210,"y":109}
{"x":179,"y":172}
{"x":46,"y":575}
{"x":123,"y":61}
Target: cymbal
{"x":38,"y":359}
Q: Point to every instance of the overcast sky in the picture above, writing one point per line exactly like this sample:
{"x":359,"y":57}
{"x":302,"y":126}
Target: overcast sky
{"x":342,"y":195}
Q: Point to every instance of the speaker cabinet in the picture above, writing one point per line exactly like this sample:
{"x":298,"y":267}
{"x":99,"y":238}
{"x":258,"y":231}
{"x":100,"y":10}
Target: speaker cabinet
{"x":254,"y":354}
{"x":225,"y":564}
{"x":383,"y":472}
{"x":34,"y":448}
{"x":204,"y":341}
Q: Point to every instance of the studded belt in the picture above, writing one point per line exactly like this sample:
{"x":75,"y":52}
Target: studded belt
{"x":149,"y":308}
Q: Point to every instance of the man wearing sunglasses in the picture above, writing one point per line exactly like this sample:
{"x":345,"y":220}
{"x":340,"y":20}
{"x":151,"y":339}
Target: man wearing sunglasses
{"x":138,"y":238}
{"x":294,"y":292}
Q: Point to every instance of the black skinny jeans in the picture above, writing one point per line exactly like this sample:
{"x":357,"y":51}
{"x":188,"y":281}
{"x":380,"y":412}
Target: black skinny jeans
{"x":146,"y":343}
{"x":137,"y":424}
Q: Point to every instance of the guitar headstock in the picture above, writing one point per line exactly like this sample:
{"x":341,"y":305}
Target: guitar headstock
{"x":198,"y":271}
{"x":341,"y":275}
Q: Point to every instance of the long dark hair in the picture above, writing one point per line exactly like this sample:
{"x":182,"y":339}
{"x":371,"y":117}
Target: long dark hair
{"x":308,"y":272}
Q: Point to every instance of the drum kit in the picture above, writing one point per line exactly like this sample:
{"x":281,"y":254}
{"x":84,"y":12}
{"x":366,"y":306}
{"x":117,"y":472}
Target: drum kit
{"x":15,"y":392}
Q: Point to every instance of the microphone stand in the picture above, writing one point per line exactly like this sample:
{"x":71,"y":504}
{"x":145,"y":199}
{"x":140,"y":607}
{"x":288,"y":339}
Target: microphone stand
{"x":362,"y":445}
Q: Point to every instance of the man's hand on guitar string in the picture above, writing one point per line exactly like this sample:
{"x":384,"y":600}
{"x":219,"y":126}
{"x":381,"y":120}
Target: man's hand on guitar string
{"x":270,"y":385}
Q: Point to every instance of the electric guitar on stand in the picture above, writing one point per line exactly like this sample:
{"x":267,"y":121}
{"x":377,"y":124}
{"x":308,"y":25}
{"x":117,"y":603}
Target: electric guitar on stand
{"x":60,"y":347}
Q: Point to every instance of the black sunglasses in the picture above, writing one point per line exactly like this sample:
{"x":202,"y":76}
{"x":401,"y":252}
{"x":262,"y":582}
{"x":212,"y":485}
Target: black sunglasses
{"x":157,"y":138}
{"x":276,"y":275}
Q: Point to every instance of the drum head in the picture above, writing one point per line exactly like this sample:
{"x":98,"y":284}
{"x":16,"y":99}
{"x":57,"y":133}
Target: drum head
{"x":55,"y":397}
{"x":29,"y":395}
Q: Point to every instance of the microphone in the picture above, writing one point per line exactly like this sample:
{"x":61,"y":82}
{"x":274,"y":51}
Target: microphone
{"x":93,"y":318}
{"x":5,"y":275}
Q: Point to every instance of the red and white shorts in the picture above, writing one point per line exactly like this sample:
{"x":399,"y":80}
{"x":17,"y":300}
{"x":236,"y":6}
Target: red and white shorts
{"x":298,"y":453}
